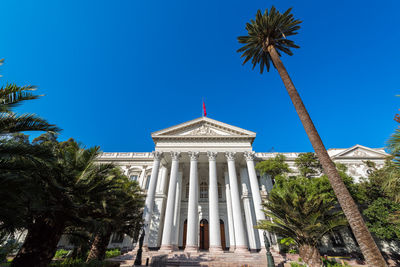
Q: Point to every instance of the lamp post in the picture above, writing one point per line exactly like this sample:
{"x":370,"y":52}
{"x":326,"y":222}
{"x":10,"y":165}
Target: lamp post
{"x":270,"y":259}
{"x":138,"y":260}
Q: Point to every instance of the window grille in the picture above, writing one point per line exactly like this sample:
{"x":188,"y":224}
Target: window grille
{"x":203,"y":190}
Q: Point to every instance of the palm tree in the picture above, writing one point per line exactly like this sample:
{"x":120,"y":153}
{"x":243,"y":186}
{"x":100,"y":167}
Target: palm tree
{"x":65,"y":189}
{"x":122,"y":214}
{"x":303,"y":213}
{"x":392,"y":183}
{"x":11,"y":96}
{"x":266,"y":40}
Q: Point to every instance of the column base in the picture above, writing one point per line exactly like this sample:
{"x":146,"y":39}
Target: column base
{"x":232,"y":248}
{"x":216,"y":249}
{"x":241,"y":249}
{"x":192,"y":249}
{"x":166,"y":248}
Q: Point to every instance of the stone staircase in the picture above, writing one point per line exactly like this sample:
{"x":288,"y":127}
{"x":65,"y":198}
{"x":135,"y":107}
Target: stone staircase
{"x":181,"y":258}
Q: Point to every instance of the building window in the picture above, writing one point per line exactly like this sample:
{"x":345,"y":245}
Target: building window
{"x":219,"y":190}
{"x":187,"y":191}
{"x":117,"y":238}
{"x":133,"y":177}
{"x":147,"y":181}
{"x":203,"y":190}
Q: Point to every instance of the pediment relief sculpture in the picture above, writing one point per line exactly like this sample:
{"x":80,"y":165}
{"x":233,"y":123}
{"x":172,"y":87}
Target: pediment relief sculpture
{"x":203,"y":130}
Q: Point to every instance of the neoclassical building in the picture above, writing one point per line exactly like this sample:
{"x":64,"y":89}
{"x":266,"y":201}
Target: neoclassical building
{"x":203,"y":191}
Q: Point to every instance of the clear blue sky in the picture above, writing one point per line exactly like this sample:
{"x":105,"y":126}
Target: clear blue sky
{"x":114,"y":71}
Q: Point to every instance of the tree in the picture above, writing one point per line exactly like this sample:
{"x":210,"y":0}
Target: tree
{"x":265,"y":41}
{"x":392,"y":183}
{"x":302,"y":209}
{"x":66,"y":188}
{"x":11,"y":96}
{"x":122,"y":214}
{"x":308,"y":165}
{"x":274,"y":166}
{"x":379,"y":203}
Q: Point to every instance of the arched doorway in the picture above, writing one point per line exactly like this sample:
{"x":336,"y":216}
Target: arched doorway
{"x":204,"y":239}
{"x":222,"y":231}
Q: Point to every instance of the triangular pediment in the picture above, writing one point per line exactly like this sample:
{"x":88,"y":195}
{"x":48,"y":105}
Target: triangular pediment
{"x":359,"y":151}
{"x":203,"y":127}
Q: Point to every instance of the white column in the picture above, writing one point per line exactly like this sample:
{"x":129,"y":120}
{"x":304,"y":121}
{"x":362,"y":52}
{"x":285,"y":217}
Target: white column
{"x":163,"y":182}
{"x":240,"y":237}
{"x":167,"y":238}
{"x":160,"y":202}
{"x":142,"y":176}
{"x":252,"y":234}
{"x":177,"y":215}
{"x":215,"y":233}
{"x":255,"y":190}
{"x":231,"y":226}
{"x":192,"y":221}
{"x":149,"y":203}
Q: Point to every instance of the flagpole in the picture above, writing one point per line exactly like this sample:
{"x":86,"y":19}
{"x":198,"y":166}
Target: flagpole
{"x":202,"y":101}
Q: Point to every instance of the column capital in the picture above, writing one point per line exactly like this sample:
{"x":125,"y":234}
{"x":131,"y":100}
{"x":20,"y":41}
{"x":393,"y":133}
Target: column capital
{"x":157,"y":155}
{"x":230,"y":156}
{"x":175,"y":155}
{"x":212,"y":155}
{"x":249,"y":155}
{"x":193,"y":155}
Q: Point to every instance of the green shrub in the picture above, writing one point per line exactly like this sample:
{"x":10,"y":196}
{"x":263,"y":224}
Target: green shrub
{"x":82,"y":263}
{"x":296,"y":264}
{"x":333,"y":263}
{"x":61,"y":253}
{"x":288,"y":245}
{"x":111,"y":253}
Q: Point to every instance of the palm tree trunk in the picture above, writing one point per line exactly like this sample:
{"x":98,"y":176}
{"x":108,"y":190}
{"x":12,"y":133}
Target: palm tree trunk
{"x":99,"y":246}
{"x":367,"y":244}
{"x":310,"y":255}
{"x":40,"y":243}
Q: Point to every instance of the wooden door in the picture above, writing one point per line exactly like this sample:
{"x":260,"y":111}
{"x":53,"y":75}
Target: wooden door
{"x":184,"y":234}
{"x":222,"y":231}
{"x":204,"y":235}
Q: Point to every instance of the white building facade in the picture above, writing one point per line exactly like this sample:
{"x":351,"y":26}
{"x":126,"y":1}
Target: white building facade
{"x":203,"y":191}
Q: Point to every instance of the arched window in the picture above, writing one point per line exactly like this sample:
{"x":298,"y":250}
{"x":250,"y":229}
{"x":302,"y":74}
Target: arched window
{"x":203,"y":190}
{"x":219,"y":190}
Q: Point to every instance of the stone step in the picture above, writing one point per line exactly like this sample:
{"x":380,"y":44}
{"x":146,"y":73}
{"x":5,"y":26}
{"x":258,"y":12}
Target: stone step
{"x":181,"y":258}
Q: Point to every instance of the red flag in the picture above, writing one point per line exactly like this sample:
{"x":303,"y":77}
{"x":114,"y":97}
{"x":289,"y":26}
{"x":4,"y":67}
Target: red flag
{"x":204,"y":109}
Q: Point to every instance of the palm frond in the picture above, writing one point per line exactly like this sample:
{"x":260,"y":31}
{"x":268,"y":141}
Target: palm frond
{"x":393,"y":144}
{"x":13,"y":123}
{"x":12,"y":95}
{"x":270,"y":28}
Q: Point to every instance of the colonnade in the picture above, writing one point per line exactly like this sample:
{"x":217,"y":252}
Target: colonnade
{"x":236,"y":225}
